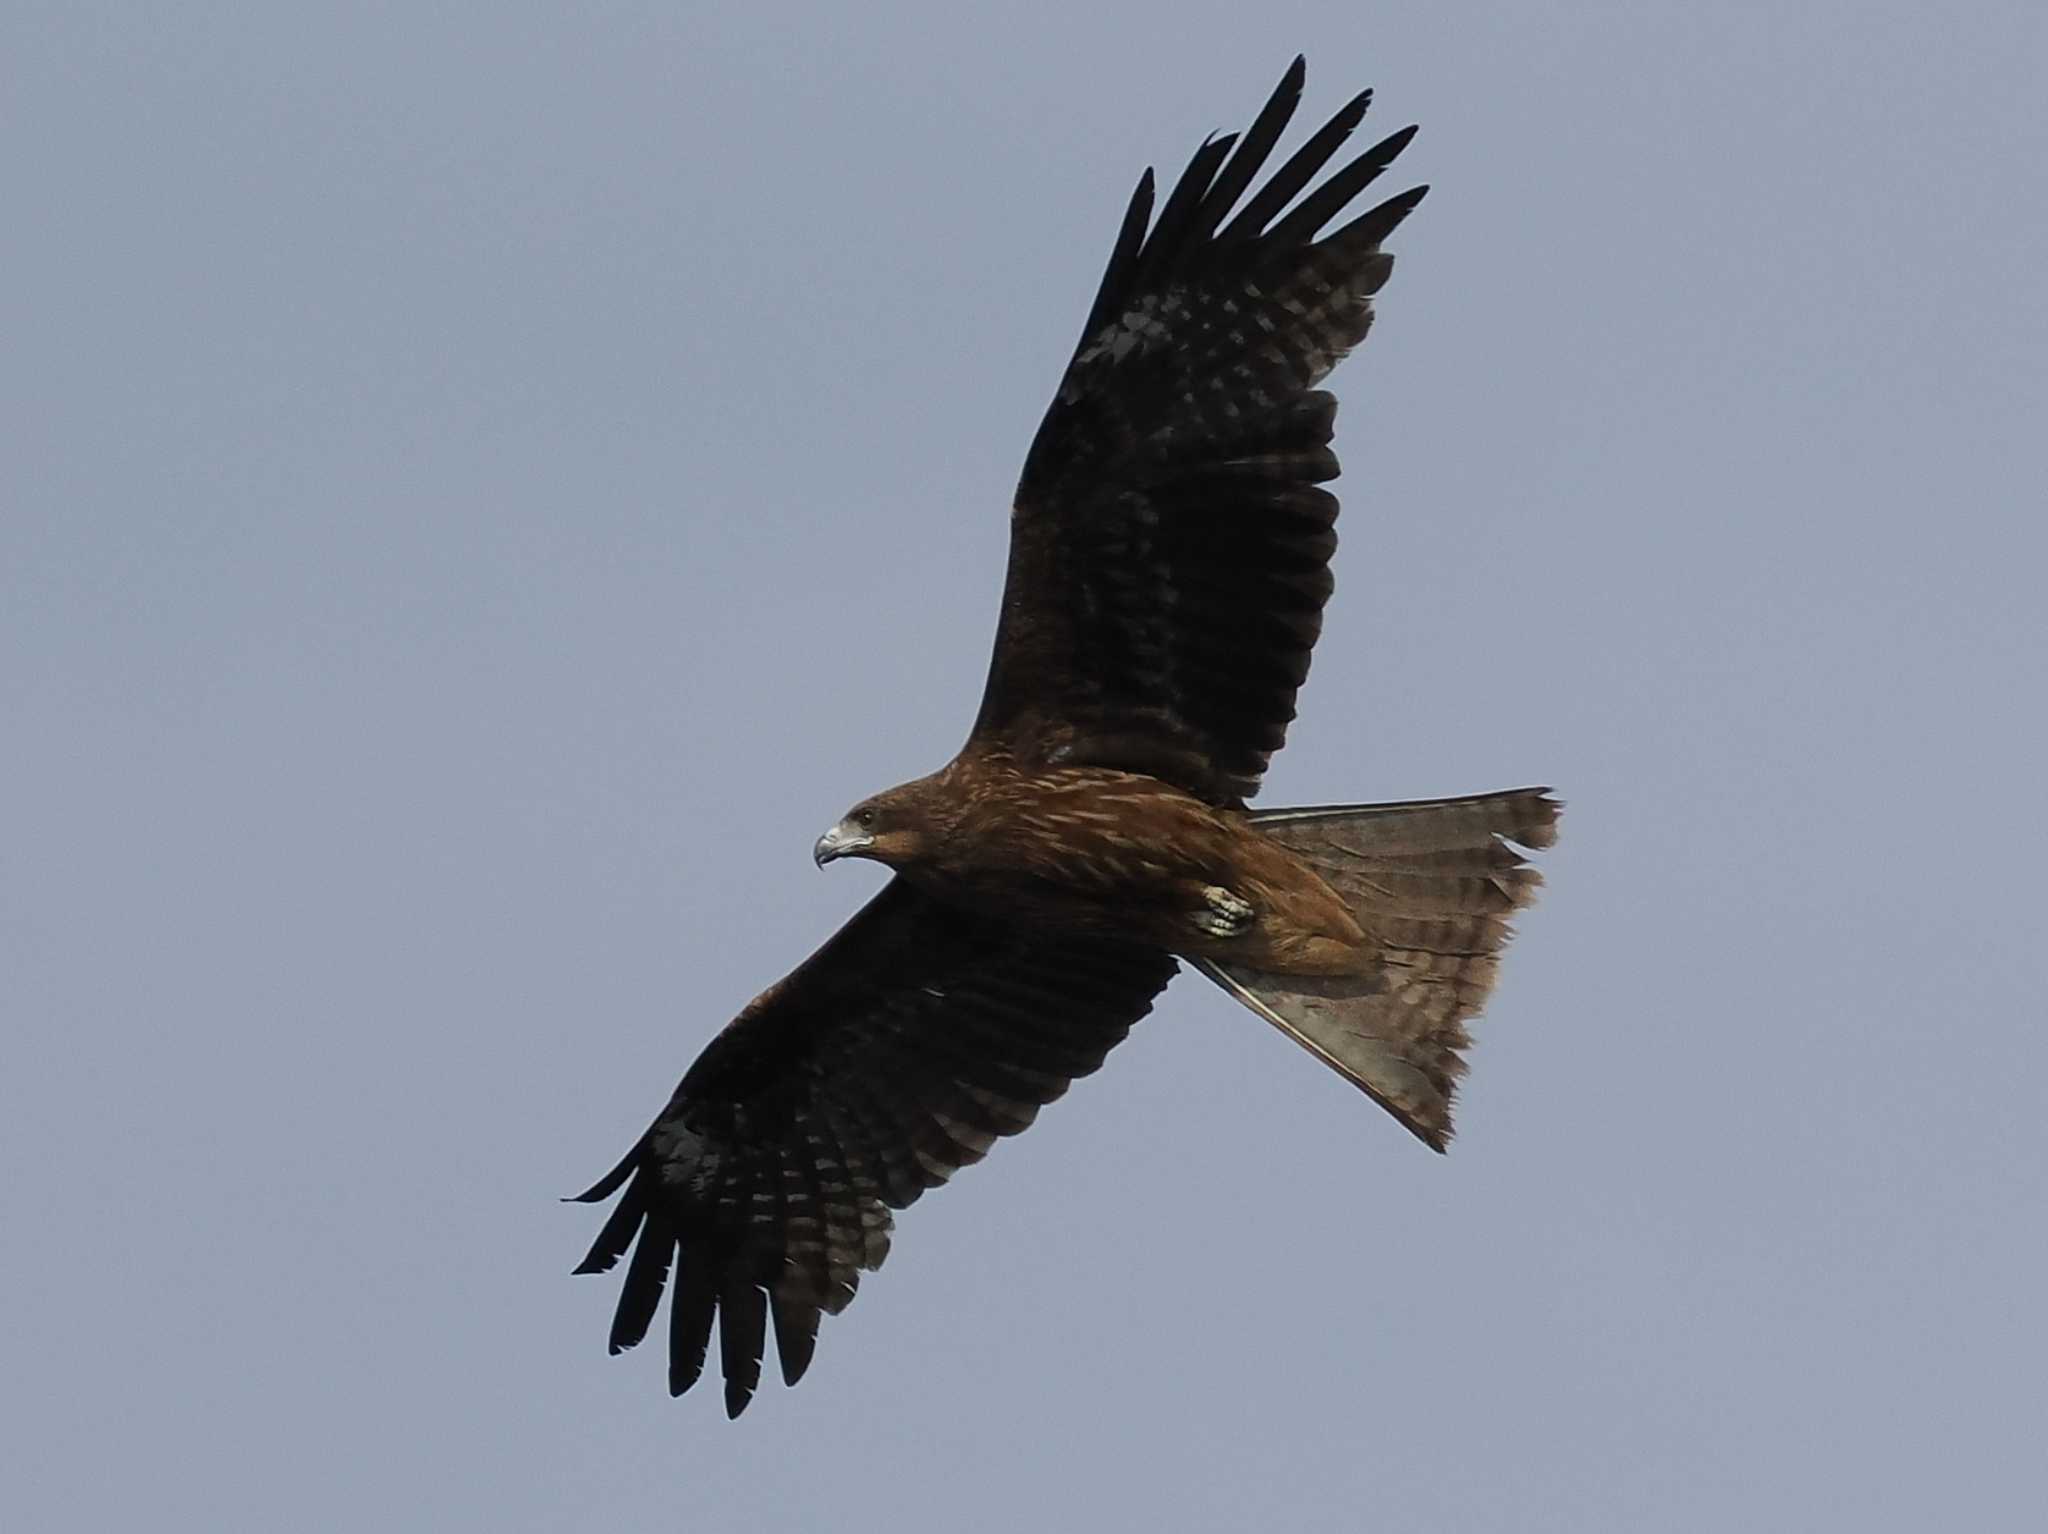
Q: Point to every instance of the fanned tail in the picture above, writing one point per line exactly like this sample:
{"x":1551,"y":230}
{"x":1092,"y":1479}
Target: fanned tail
{"x":1433,"y":882}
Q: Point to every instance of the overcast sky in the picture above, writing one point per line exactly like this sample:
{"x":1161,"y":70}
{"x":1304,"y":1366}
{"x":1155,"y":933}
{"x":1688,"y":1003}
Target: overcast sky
{"x":483,"y":486}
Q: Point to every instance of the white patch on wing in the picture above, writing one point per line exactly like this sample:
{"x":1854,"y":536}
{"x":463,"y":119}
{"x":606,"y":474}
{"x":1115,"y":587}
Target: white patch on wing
{"x":1139,"y":329}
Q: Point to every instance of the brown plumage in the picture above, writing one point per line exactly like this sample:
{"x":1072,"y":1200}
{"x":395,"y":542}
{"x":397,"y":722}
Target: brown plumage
{"x":1169,"y":562}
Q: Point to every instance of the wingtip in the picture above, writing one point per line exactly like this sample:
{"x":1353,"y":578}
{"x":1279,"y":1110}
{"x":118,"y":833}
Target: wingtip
{"x":1399,"y":208}
{"x":683,"y":1372}
{"x":620,"y":1342}
{"x":613,"y":1180}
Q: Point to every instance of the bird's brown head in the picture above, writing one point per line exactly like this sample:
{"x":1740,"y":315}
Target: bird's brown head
{"x":893,"y":828}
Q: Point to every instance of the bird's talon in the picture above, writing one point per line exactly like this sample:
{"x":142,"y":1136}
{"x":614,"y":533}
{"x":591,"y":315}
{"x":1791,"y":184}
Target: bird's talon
{"x":1228,"y":914}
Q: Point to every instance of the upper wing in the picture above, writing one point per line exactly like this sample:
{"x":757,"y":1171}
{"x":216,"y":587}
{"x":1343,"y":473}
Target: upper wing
{"x":1170,"y":547}
{"x":898,"y":1052}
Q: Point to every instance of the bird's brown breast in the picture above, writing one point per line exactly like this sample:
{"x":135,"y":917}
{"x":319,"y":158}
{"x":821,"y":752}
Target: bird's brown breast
{"x":1123,"y":855}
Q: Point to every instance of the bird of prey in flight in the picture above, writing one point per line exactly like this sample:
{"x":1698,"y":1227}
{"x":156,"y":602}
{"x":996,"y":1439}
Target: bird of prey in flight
{"x":1170,"y":550}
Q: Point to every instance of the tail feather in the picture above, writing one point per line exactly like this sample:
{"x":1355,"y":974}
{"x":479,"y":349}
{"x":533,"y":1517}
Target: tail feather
{"x":1433,"y":882}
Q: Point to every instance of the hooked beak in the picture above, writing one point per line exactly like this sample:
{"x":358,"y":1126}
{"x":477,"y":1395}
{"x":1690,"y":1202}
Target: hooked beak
{"x":843,"y":840}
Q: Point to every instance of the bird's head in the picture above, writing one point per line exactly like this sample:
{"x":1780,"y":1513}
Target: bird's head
{"x":891,"y":828}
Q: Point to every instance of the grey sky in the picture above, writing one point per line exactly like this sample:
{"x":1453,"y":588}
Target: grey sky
{"x":484,"y":486}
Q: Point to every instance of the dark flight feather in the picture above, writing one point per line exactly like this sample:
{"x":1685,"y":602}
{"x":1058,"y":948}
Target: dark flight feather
{"x":1252,"y":150}
{"x":690,"y":1315}
{"x":646,"y":1277}
{"x":1171,"y":234}
{"x":1122,"y":256}
{"x":1296,"y":173}
{"x":1307,"y":218}
{"x":742,"y":1337}
{"x":796,"y":1336}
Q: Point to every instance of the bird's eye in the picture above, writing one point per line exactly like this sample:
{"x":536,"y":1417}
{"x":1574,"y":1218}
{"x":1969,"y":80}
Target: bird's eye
{"x":864,"y":817}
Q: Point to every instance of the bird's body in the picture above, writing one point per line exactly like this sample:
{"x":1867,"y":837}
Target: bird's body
{"x":1106,"y":853}
{"x":1170,"y":543}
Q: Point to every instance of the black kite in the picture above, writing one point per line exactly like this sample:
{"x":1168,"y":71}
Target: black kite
{"x":1169,"y":562}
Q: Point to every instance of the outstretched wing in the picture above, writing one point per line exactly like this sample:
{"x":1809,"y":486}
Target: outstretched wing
{"x":1170,"y":543}
{"x":896,"y":1054}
